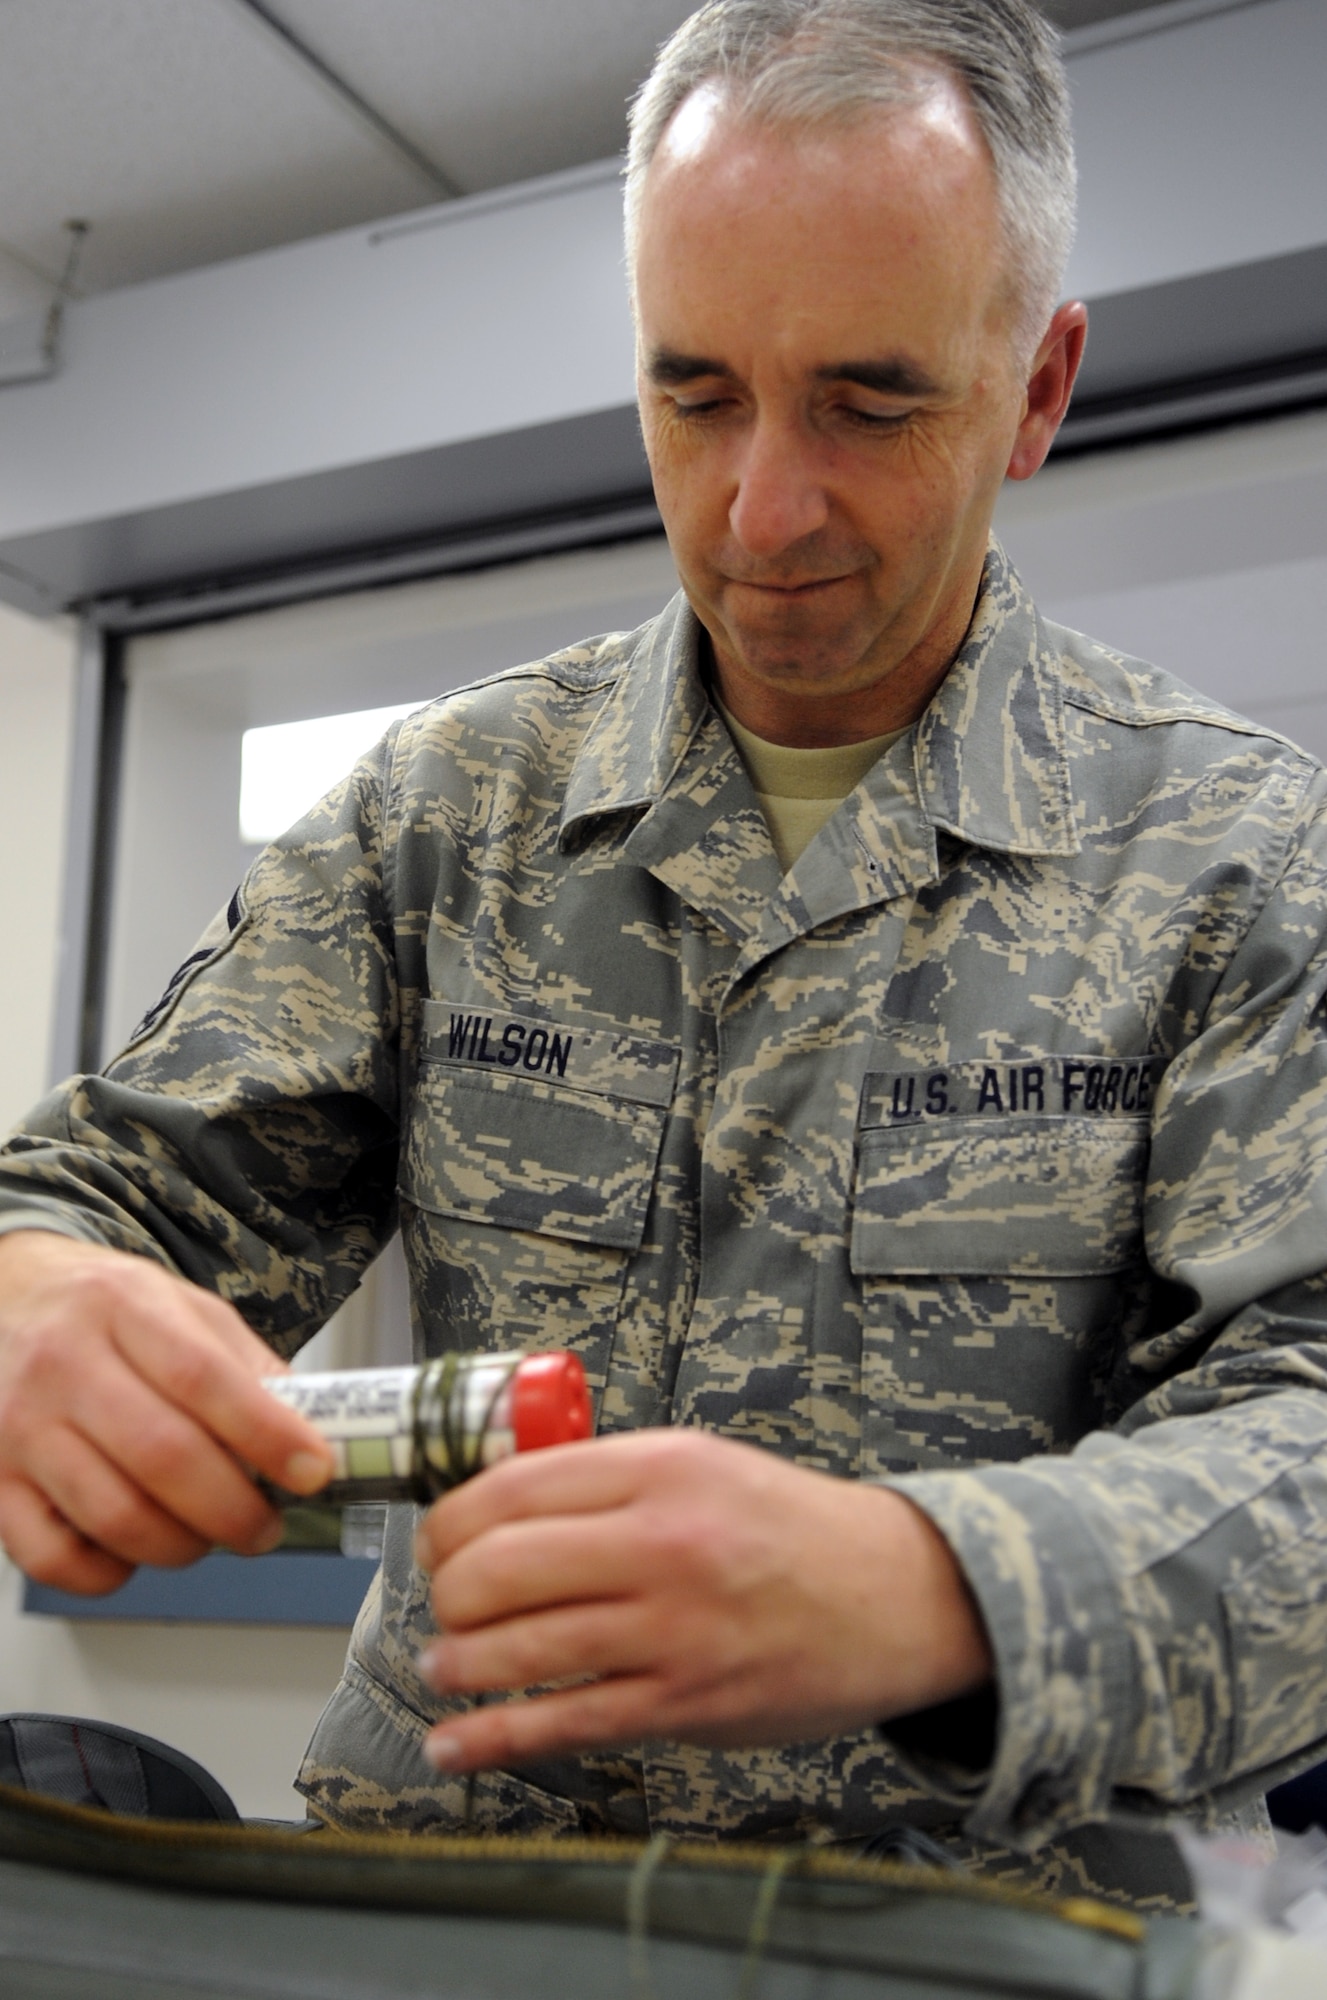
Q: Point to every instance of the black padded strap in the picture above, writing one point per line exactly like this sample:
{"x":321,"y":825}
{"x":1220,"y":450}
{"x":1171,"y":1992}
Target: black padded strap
{"x":102,"y":1764}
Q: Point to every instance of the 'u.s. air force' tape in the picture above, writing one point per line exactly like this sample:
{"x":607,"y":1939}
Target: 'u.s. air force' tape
{"x":1036,"y":1086}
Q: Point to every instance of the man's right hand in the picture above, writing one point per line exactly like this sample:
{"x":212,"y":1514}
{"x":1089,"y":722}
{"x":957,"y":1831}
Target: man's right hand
{"x":131,"y":1403}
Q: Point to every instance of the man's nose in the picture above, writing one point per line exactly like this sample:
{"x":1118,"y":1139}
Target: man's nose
{"x":780,"y":497}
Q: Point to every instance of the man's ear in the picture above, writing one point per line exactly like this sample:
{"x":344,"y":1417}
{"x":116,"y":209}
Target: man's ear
{"x":1050,"y":386}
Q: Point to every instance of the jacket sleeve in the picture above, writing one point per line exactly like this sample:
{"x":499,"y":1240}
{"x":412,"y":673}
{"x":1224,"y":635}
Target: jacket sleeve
{"x":246,"y":1137}
{"x":1157,"y":1599}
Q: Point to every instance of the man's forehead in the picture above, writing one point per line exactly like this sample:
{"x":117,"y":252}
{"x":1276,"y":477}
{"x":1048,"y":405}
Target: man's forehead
{"x":931,"y":102}
{"x":868,"y":253}
{"x":874,"y":192}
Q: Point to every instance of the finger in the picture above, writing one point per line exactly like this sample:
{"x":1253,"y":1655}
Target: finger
{"x":608,"y":1715}
{"x":589,"y":1477}
{"x":579,"y":1640}
{"x":169,"y":1457}
{"x":179,"y":1353}
{"x":47,"y":1549}
{"x":528,"y":1565}
{"x":101,"y":1503}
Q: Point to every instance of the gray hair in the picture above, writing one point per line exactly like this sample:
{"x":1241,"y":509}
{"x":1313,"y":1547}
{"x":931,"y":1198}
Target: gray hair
{"x":812,"y":62}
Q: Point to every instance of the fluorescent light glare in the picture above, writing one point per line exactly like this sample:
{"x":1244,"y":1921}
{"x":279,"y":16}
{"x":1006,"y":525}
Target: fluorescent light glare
{"x":286,"y":767}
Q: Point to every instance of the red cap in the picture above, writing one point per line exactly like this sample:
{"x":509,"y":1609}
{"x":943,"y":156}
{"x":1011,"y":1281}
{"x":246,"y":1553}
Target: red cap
{"x":550,"y":1403}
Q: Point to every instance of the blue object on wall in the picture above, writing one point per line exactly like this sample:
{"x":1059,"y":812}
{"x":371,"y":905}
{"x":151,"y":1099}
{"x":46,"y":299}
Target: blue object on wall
{"x":291,"y":1587}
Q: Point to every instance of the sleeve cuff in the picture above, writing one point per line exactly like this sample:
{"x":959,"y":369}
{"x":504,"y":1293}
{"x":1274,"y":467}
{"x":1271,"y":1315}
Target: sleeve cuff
{"x":54,"y":1220}
{"x":1064,"y":1700}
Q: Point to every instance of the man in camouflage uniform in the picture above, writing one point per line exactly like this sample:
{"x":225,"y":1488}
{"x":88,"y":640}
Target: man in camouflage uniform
{"x":938,"y":1216}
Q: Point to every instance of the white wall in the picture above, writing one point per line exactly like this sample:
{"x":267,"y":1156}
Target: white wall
{"x":1200,"y":145}
{"x":1206,"y":555}
{"x":350,"y":348}
{"x":36,"y":709}
{"x":241,"y":1700}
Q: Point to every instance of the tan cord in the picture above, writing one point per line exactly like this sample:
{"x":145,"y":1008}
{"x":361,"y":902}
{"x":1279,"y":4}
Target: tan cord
{"x":638,"y":1914}
{"x":758,"y":1935}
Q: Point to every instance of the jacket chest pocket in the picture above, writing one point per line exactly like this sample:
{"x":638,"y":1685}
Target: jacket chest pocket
{"x":1001,"y":1265}
{"x":526,"y":1176}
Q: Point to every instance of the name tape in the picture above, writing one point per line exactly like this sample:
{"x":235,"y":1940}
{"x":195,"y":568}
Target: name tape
{"x":497,"y":1041}
{"x":507,"y":1042}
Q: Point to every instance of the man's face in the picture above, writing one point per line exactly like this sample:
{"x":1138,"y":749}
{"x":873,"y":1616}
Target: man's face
{"x":830,"y":399}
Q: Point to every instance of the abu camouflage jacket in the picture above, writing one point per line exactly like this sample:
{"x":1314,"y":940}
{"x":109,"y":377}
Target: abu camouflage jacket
{"x":984,"y":1152}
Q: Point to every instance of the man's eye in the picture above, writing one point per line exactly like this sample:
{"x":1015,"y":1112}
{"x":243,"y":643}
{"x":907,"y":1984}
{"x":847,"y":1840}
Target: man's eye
{"x":704,"y":406}
{"x":876,"y":420}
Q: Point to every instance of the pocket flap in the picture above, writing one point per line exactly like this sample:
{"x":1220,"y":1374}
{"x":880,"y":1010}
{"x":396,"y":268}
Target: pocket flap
{"x":1053,"y":1197}
{"x":524,"y":1125}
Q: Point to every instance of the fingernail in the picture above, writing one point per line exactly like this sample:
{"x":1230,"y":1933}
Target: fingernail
{"x":443,"y":1752}
{"x":305,"y":1472}
{"x":270,"y":1538}
{"x":428,"y":1661}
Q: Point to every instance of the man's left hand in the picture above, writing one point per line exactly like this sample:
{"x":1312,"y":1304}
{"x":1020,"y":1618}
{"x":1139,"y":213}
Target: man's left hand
{"x":690,"y":1588}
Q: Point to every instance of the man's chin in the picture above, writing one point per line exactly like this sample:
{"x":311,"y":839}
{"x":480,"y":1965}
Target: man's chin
{"x":814,"y":668}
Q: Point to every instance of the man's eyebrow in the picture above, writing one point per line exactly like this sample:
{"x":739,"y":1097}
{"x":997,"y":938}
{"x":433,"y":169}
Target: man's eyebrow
{"x":895,"y":377}
{"x":670,"y":370}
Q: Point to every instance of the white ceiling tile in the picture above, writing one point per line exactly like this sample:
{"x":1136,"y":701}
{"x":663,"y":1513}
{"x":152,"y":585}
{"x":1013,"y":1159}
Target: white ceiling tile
{"x":499,"y":91}
{"x":180,"y":130}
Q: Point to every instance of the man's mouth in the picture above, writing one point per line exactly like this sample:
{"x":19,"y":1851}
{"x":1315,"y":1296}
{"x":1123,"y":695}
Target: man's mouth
{"x":796,"y":587}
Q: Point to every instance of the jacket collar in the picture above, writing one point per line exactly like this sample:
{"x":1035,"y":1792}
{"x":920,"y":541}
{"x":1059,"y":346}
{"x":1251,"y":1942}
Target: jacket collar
{"x":992,"y":760}
{"x":990,"y":755}
{"x":640,"y":736}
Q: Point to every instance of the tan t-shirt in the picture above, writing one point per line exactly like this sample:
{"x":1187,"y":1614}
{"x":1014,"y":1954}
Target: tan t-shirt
{"x":798,"y":789}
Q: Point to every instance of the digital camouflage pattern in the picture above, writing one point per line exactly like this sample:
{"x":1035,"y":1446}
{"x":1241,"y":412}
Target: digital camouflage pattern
{"x":983,"y":1153}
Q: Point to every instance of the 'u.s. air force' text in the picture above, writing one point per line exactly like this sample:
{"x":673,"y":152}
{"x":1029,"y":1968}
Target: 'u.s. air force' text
{"x":1048,"y":1086}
